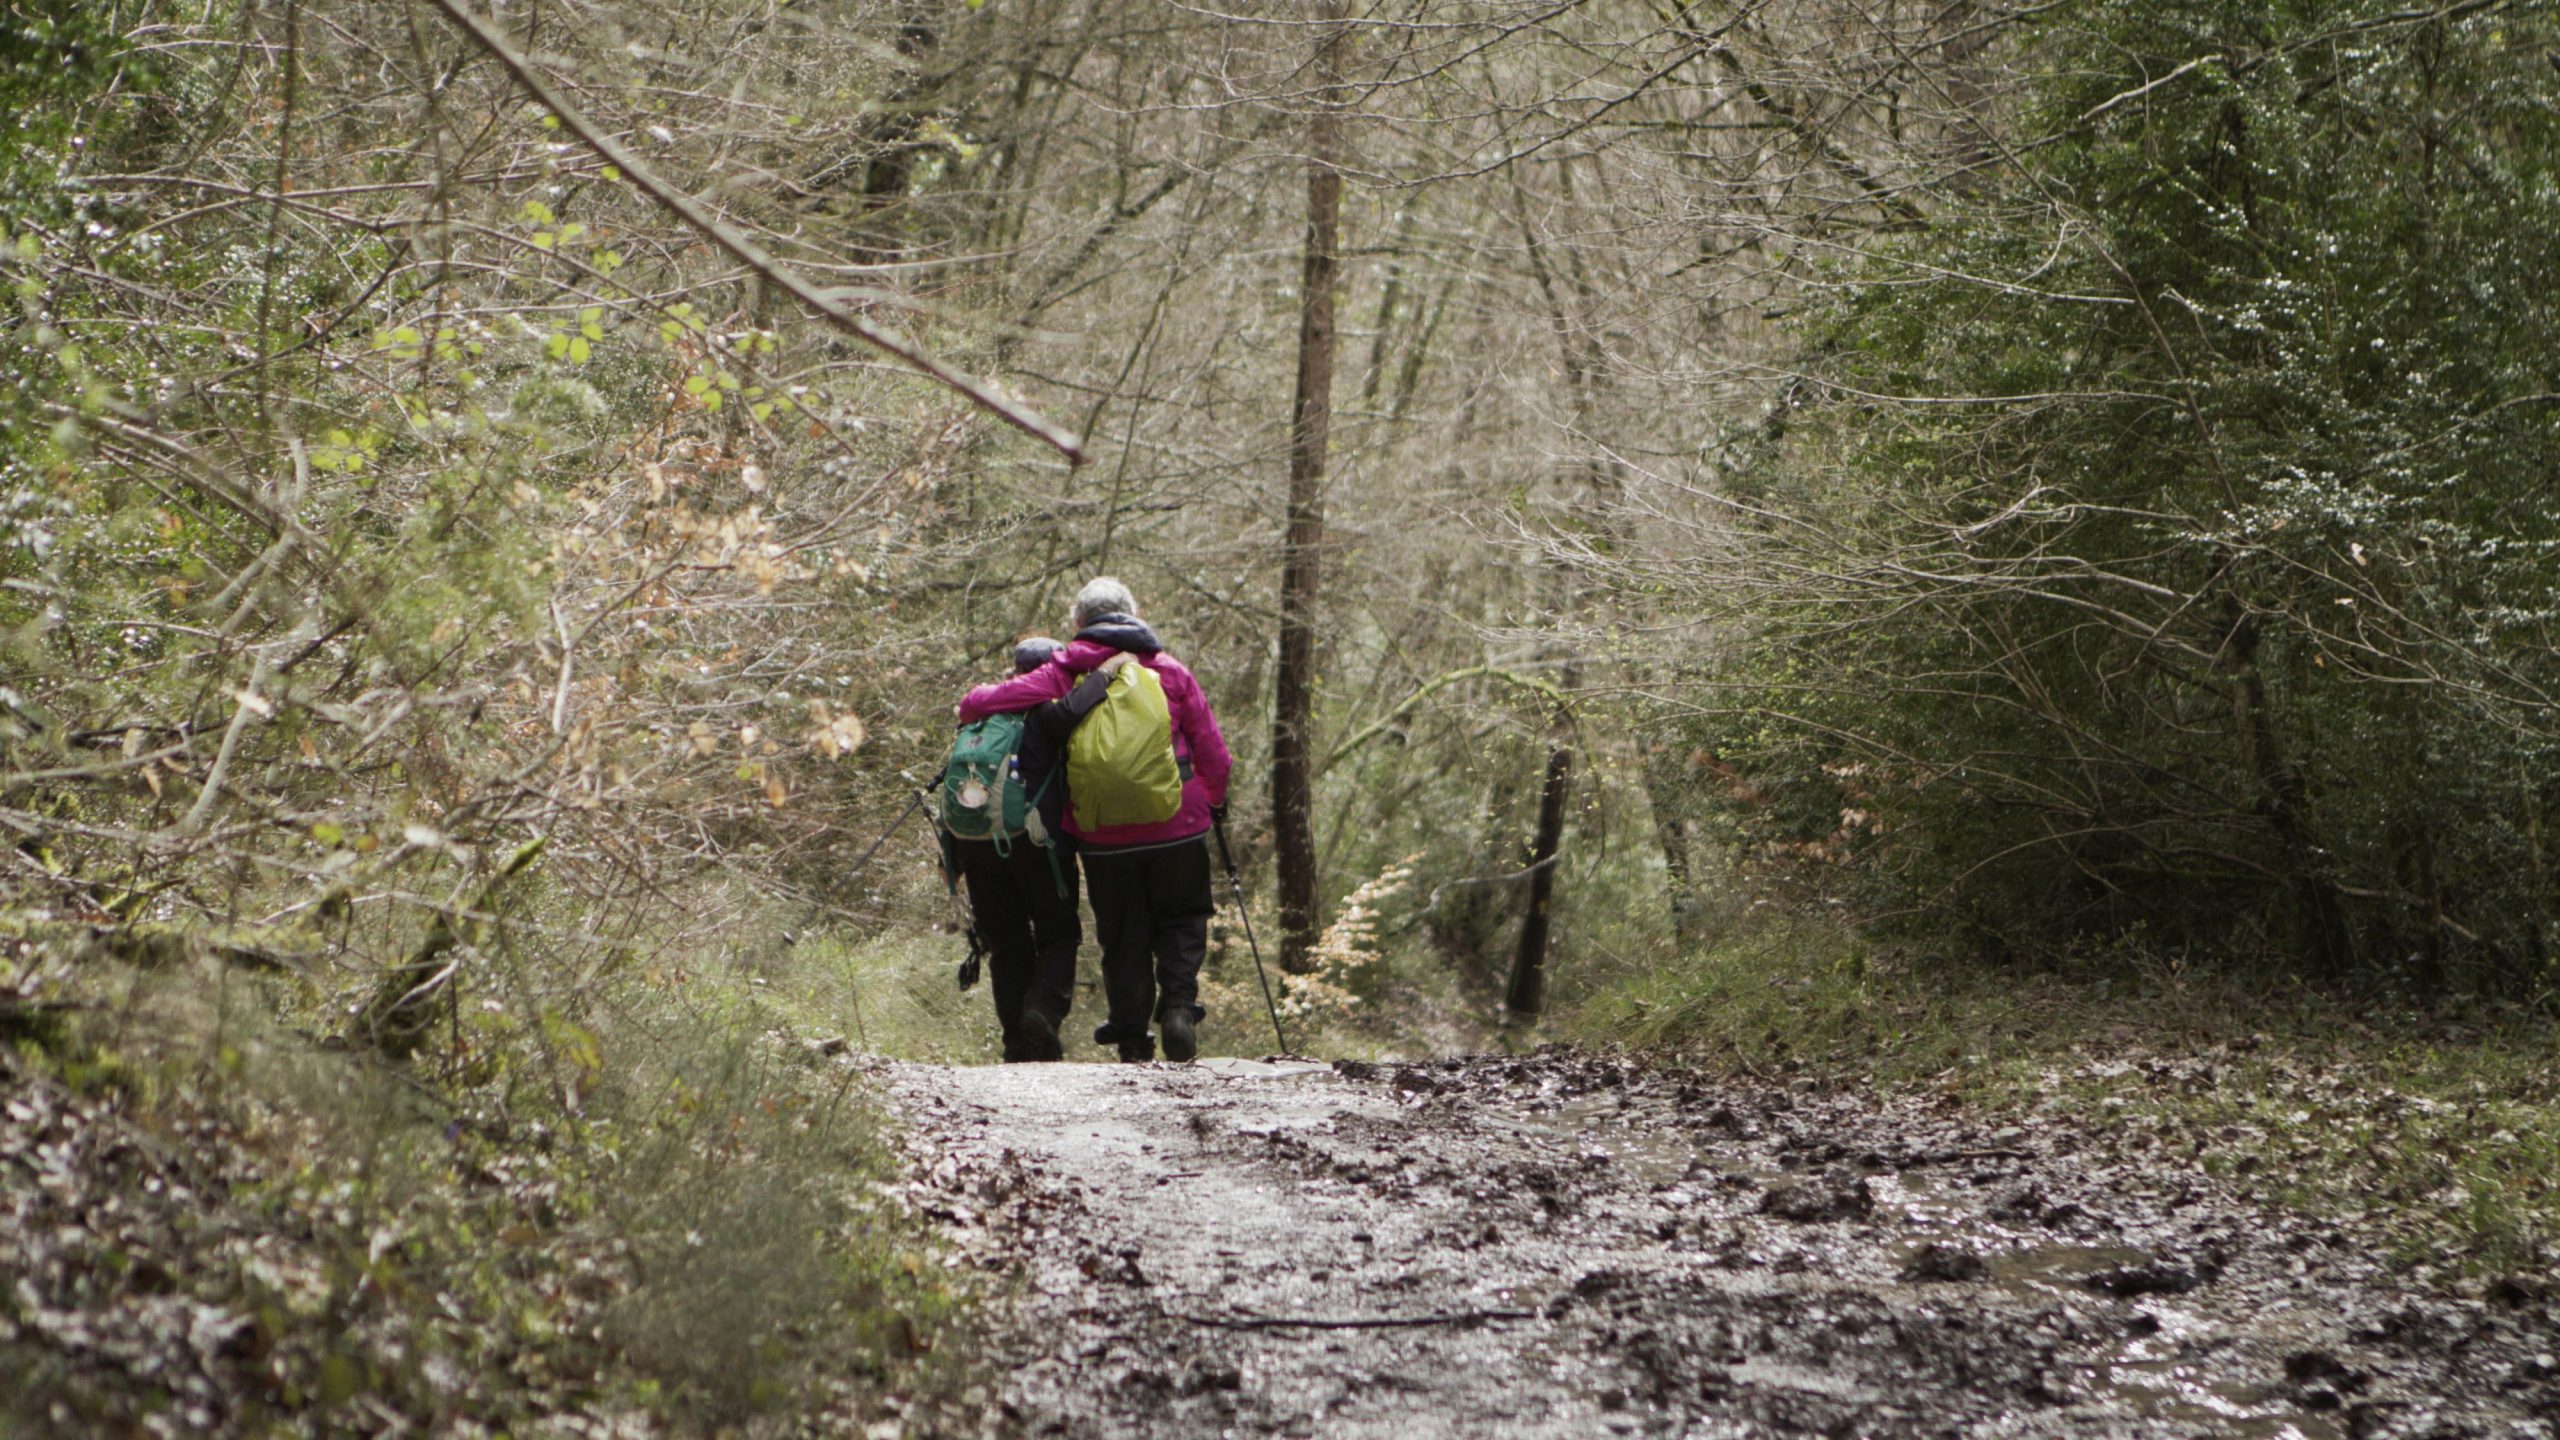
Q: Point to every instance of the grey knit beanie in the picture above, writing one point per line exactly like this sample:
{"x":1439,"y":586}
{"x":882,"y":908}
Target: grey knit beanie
{"x":1032,"y":652}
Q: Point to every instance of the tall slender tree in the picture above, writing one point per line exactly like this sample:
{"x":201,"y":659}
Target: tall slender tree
{"x":1585,"y":477}
{"x":1311,"y":414}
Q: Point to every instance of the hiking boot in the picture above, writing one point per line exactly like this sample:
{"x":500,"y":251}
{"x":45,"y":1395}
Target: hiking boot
{"x":1181,"y":1039}
{"x":1039,"y":1040}
{"x":1134,"y":1047}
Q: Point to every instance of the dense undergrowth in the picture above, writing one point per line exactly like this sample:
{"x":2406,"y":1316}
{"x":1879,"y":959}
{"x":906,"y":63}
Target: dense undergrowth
{"x":672,"y":1213}
{"x":443,"y":601}
{"x":2165,"y":555}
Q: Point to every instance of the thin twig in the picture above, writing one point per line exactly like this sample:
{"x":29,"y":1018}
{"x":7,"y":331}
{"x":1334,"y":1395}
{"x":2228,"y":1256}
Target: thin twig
{"x":1366,"y":1322}
{"x":1434,"y":902}
{"x":568,"y":647}
{"x":251,"y":704}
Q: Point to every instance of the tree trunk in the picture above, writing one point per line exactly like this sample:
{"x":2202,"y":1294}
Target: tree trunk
{"x":1293,"y":829}
{"x":881,"y":220}
{"x":2281,"y":800}
{"x":1527,"y":997}
{"x":1666,"y":782}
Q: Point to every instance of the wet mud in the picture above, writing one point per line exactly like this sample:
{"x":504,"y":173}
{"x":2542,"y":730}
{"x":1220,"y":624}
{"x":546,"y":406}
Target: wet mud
{"x":1571,"y":1245}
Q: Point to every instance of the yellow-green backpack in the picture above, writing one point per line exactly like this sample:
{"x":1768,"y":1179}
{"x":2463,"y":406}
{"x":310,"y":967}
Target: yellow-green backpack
{"x":1121,"y":768}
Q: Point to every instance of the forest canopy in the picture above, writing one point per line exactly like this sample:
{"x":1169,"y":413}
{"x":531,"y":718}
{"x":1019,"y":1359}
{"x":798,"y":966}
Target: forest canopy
{"x":2045,"y":479}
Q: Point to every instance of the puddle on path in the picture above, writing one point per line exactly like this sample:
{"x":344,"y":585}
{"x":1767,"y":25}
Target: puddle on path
{"x":2042,"y":1271}
{"x":2161,"y":1375}
{"x":1918,"y":1194}
{"x":1643,"y":1149}
{"x":2186,"y":1396}
{"x":2175,"y":1369}
{"x":2165,"y":1376}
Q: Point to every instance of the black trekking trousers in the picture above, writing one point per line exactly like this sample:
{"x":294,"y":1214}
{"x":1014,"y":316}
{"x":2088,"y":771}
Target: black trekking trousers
{"x":1151,"y":917}
{"x":1031,"y":931}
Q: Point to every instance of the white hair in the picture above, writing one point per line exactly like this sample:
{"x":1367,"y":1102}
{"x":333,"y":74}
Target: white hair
{"x":1103,"y":595}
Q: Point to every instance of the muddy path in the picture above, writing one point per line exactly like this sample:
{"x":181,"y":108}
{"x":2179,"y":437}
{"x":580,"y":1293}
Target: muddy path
{"x":1564,"y":1245}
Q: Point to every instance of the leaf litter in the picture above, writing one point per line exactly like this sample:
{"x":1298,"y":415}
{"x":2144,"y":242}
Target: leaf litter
{"x":1567,"y":1244}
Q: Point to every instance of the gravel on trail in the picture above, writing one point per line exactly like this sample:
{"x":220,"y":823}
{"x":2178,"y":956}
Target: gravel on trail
{"x":1566,"y":1244}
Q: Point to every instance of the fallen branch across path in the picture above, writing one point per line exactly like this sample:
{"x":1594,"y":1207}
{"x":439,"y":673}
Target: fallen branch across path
{"x":1951,"y":1157}
{"x":1373,"y":1322}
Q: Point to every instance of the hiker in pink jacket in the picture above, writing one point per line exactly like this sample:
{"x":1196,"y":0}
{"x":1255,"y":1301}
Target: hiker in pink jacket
{"x":1149,"y":884}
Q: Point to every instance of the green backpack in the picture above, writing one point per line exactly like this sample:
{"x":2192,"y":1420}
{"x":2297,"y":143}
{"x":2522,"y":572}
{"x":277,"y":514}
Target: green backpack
{"x":982,"y":798}
{"x":982,"y":795}
{"x":1121,"y":768}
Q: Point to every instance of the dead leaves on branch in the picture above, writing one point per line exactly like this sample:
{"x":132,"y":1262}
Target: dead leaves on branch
{"x":833,"y":736}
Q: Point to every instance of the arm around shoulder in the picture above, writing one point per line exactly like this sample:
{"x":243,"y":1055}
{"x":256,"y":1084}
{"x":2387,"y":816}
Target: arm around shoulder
{"x":1022,"y":692}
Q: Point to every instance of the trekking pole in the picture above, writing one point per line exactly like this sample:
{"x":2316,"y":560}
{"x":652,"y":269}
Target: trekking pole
{"x":817,"y":906}
{"x":913,"y":806}
{"x":1259,"y":973}
{"x":970,"y":968}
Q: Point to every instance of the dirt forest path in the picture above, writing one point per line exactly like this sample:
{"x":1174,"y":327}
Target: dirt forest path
{"x":1566,"y":1245}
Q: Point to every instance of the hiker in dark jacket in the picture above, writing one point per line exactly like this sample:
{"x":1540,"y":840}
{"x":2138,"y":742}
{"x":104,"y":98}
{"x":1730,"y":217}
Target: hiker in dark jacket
{"x":1149,"y":883}
{"x":1023,"y":901}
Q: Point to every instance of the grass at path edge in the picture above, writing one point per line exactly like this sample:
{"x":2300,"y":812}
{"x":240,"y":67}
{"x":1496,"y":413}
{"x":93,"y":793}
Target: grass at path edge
{"x":665,"y":1209}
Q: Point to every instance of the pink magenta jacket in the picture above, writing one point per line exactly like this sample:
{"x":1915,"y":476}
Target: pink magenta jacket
{"x":1195,"y":729}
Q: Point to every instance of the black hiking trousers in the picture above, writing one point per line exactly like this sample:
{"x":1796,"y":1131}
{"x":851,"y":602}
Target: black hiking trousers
{"x":1031,"y":933}
{"x":1151,"y":917}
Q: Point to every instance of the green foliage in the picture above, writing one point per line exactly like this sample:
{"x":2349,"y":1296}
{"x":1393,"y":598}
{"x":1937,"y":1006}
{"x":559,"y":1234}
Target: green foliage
{"x":2188,"y":556}
{"x":64,"y":65}
{"x":363,"y":538}
{"x":650,"y":1205}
